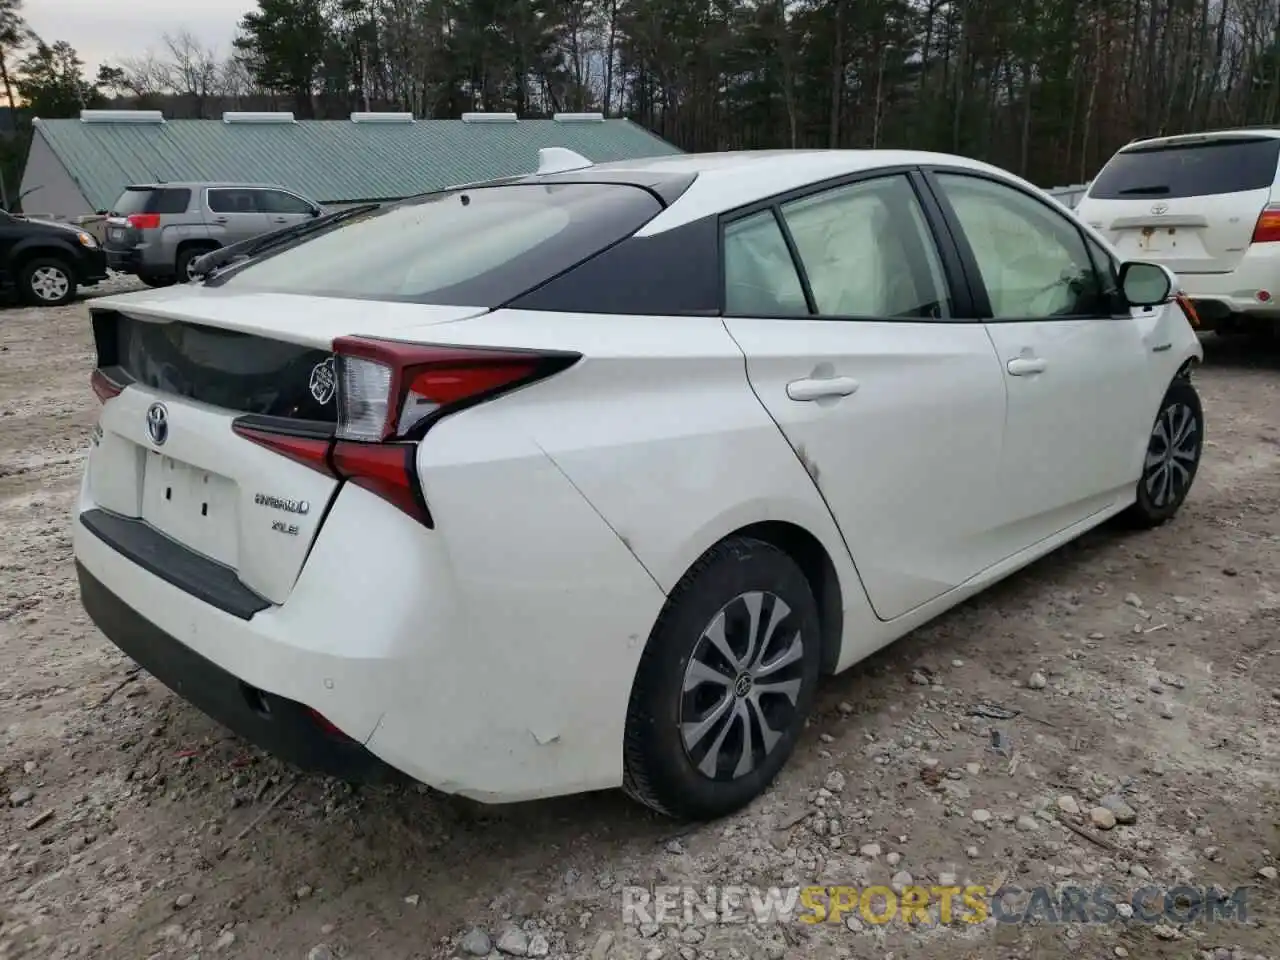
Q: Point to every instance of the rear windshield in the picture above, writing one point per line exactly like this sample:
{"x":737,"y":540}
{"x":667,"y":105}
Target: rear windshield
{"x":1189,"y":170}
{"x":479,"y":246}
{"x":152,"y":200}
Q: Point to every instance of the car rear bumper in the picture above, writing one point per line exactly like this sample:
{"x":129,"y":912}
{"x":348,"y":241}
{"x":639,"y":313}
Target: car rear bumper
{"x":474,"y":673}
{"x":124,"y":261}
{"x":1252,"y":289}
{"x":283,"y":727}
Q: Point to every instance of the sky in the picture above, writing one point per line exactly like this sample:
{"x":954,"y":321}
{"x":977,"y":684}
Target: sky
{"x":102,"y":31}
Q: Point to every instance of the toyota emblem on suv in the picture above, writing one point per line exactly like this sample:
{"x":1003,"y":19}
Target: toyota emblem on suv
{"x":158,"y":424}
{"x":1160,"y":208}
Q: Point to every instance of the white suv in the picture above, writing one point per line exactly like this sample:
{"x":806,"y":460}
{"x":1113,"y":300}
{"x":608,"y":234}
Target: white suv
{"x":1204,"y":205}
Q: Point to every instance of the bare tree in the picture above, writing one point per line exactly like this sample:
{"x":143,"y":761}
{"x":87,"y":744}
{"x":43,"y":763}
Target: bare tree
{"x":193,"y":70}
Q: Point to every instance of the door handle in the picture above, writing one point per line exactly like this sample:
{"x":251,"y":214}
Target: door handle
{"x":280,"y":219}
{"x":1024,"y":366}
{"x":219,"y":219}
{"x":819,"y":389}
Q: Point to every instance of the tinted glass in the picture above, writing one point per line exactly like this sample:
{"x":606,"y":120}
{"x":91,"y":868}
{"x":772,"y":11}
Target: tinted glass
{"x":760,"y":278}
{"x":477,"y":246}
{"x":148,"y":200}
{"x":1032,"y":258}
{"x":867,"y":252}
{"x":277,"y":201}
{"x":1189,"y":170}
{"x":233,"y":201}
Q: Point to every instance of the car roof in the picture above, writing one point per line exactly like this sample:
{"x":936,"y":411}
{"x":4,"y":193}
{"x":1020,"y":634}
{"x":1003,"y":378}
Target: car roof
{"x":1206,"y":136}
{"x":204,"y":184}
{"x":725,"y":181}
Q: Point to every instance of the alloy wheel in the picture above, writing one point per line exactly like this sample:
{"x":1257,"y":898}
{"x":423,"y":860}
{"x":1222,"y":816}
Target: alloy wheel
{"x":1172,"y":455}
{"x":741,"y":685}
{"x":50,"y":283}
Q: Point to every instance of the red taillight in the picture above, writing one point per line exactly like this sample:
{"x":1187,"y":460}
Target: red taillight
{"x":394,"y":390}
{"x":1267,"y":229}
{"x":103,"y":387}
{"x":385,"y":469}
{"x":144,"y":221}
{"x":389,"y":394}
{"x":311,"y":452}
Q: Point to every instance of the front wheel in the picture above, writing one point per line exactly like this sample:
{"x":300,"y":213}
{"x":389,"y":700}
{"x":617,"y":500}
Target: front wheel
{"x":47,"y":282}
{"x":1173,"y":456}
{"x":724,"y":684}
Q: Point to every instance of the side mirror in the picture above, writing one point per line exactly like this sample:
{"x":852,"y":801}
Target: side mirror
{"x":1147,"y":284}
{"x":316,"y":211}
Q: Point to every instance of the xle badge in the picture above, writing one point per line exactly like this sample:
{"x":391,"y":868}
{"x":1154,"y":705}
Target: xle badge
{"x":279,"y":526}
{"x":324,"y":381}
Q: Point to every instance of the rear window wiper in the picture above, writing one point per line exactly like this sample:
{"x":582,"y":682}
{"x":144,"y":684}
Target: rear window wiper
{"x":215,"y":260}
{"x":1154,"y":190}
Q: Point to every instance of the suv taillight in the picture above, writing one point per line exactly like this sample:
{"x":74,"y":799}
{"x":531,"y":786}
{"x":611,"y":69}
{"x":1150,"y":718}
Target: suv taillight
{"x":144,"y":221}
{"x":1267,"y":229}
{"x":389,"y":395}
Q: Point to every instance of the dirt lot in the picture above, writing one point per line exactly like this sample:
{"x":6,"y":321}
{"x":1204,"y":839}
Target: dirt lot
{"x":1145,"y":666}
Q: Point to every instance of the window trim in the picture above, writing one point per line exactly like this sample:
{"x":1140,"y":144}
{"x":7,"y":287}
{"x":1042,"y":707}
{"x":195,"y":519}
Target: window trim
{"x":954,"y":278}
{"x":980,"y":298}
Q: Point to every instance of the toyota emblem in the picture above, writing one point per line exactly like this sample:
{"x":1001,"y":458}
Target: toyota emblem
{"x":158,"y":424}
{"x":1160,"y":208}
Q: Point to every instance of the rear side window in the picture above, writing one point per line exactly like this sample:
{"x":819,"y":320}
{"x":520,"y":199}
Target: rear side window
{"x":233,"y":201}
{"x":277,"y":201}
{"x":479,"y":246}
{"x":1189,"y":170}
{"x":152,"y":200}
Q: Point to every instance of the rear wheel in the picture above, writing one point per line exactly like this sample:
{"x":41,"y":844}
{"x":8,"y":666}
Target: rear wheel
{"x":725,"y":683}
{"x":47,"y":282}
{"x":187,"y":257}
{"x":1173,"y":456}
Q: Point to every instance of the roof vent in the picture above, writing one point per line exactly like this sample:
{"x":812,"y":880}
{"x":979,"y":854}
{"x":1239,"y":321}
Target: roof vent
{"x":578,"y":117}
{"x":560,"y":160}
{"x":242,"y":116}
{"x":490,"y":118}
{"x":382,"y":118}
{"x":121,"y":116}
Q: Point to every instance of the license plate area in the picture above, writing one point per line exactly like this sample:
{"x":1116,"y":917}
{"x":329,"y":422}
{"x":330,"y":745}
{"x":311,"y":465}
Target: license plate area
{"x":115,"y":233}
{"x":195,"y":507}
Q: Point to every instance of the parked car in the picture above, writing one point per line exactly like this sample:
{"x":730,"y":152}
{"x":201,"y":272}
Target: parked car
{"x":156,"y":231}
{"x":45,"y":262}
{"x":581,"y":481}
{"x":1206,"y":205}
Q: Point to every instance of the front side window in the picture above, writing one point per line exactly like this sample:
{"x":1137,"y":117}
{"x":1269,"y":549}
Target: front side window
{"x":867,"y":251}
{"x":760,"y":277}
{"x":479,"y":246}
{"x":1032,"y":258}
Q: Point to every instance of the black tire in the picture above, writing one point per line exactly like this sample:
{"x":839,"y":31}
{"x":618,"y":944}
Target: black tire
{"x":1180,"y":410}
{"x":154,"y":281}
{"x":47,"y":282}
{"x":660,"y":771}
{"x":188,"y":254}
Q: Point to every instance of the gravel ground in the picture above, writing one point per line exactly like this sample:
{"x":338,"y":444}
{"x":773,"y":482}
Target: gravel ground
{"x":1145,"y":669}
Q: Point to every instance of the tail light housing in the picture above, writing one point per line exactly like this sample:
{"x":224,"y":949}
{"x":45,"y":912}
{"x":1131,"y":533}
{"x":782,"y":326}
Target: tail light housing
{"x":144,"y":221}
{"x":389,"y":395}
{"x":1267,"y":229}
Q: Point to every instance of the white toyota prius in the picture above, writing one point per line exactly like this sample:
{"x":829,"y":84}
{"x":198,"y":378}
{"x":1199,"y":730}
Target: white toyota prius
{"x":582,"y":479}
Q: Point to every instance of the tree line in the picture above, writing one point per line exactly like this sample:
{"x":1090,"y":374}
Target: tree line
{"x":1045,"y":88}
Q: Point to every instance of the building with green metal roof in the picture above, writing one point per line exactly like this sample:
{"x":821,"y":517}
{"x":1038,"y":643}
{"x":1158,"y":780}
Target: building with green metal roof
{"x":78,"y":167}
